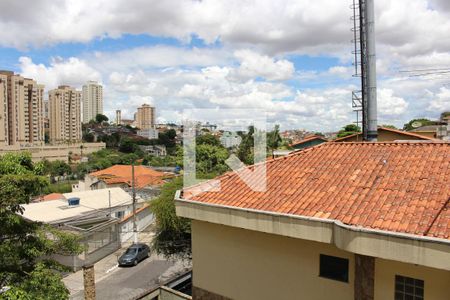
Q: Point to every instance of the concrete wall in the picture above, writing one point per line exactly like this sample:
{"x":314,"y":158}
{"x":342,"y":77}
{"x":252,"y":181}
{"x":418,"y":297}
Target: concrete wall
{"x":51,"y":153}
{"x":244,"y":264}
{"x":436,"y":286}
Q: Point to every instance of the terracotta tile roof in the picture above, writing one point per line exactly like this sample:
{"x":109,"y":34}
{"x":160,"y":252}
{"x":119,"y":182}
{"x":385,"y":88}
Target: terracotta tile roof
{"x":405,"y":133}
{"x":122,"y":174}
{"x":399,"y":187}
{"x":50,"y":197}
{"x":308,"y":139}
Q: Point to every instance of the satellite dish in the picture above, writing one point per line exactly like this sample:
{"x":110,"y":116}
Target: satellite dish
{"x":416,"y":124}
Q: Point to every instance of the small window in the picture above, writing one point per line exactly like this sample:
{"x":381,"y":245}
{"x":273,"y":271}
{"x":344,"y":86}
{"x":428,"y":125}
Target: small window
{"x":407,"y":288}
{"x":120,"y":214}
{"x":333,"y":267}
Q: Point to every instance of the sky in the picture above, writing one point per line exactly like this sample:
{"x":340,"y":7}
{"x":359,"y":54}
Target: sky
{"x":291,"y":58}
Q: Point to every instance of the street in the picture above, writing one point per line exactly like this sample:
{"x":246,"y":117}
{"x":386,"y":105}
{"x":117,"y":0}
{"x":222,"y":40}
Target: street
{"x":126,"y":282}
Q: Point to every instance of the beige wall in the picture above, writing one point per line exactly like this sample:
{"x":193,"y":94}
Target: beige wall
{"x":244,"y":264}
{"x":436,"y":282}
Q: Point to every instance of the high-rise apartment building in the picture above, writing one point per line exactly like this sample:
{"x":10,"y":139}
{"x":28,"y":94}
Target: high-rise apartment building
{"x":118,"y":117}
{"x":21,"y":110}
{"x":65,"y":115}
{"x":92,"y":100}
{"x":145,"y":117}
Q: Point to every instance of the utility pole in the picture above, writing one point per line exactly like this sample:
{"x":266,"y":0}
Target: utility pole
{"x":135,"y":237}
{"x":109,"y":200}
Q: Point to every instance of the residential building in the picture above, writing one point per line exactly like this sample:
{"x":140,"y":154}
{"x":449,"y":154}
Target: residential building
{"x":387,"y":135}
{"x":101,"y":217}
{"x":154,"y":150}
{"x":230,"y":139}
{"x":21,"y":110}
{"x":65,"y":115}
{"x":441,"y":131}
{"x":149,"y":133}
{"x":118,"y":117}
{"x":92,"y":100}
{"x":308,"y":141}
{"x":145,"y":117}
{"x":336,"y":221}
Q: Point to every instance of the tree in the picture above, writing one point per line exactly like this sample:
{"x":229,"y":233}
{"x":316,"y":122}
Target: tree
{"x":173,"y":234}
{"x":25,"y":247}
{"x":207,"y":139}
{"x":88,"y":137}
{"x":348,"y":130}
{"x":211,"y":159}
{"x":444,"y":115}
{"x":414,"y":123}
{"x":59,"y":168}
{"x":127,"y":146}
{"x":388,"y":126}
{"x":99,"y":118}
{"x":245,"y":149}
{"x":274,"y":139}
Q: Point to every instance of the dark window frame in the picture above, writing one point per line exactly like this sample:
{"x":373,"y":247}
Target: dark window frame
{"x":408,"y":288}
{"x":328,"y":265}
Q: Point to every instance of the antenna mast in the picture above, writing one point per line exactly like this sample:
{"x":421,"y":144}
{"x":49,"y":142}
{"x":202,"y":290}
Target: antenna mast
{"x":364,"y":101}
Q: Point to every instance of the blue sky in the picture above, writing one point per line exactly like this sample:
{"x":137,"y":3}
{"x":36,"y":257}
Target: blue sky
{"x":282,"y":57}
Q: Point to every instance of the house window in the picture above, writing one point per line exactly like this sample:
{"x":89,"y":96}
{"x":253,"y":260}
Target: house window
{"x":407,"y":288}
{"x":120,"y":214}
{"x":333,"y":267}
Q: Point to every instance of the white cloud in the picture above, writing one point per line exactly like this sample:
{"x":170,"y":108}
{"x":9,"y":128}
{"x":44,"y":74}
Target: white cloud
{"x":389,"y":104}
{"x":253,"y":65}
{"x":73,"y":71}
{"x":441,"y":101}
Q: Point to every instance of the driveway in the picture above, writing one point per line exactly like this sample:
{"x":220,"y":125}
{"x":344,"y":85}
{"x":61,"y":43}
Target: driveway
{"x":128,"y":282}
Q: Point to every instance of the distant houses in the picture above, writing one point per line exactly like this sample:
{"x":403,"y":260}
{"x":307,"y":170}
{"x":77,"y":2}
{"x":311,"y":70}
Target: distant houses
{"x":101,"y":217}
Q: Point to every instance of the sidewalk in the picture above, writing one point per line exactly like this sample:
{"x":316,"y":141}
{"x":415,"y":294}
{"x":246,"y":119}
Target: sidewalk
{"x":104,"y":267}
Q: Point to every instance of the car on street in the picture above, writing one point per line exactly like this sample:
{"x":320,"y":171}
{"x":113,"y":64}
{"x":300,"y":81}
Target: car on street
{"x":134,"y":254}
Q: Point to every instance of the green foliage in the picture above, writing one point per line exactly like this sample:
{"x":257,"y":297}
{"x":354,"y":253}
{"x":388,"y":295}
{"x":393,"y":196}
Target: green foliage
{"x":348,"y":130}
{"x":127,"y":146}
{"x":388,"y":126}
{"x":41,"y":284}
{"x":245,"y":149}
{"x":24,"y":244}
{"x":99,"y":118}
{"x":208,"y":139}
{"x":211,"y":159}
{"x":173,"y":234}
{"x":423,"y":122}
{"x":274,"y":139}
{"x":444,"y":114}
{"x":128,"y":159}
{"x":59,"y":168}
{"x":88,"y":137}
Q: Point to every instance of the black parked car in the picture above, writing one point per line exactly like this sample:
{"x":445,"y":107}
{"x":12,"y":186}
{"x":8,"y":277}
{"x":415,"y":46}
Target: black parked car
{"x":134,"y":254}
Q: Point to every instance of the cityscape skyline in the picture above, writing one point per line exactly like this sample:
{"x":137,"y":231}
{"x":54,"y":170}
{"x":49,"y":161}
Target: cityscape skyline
{"x":295,"y":63}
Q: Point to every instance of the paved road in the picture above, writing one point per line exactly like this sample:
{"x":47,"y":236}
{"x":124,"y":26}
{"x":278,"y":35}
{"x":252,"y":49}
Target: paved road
{"x":127,"y":282}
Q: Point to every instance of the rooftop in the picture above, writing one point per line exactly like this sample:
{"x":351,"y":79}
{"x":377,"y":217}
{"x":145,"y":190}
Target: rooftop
{"x":406,"y":134}
{"x":56,"y":211}
{"x":389,"y":186}
{"x":123,"y":174}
